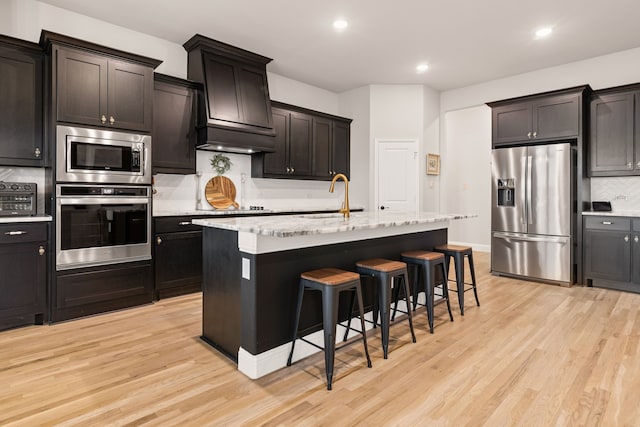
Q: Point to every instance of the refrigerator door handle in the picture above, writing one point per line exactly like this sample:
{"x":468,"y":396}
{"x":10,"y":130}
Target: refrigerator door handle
{"x":529,"y":173}
{"x":528,"y":238}
{"x":523,"y":196}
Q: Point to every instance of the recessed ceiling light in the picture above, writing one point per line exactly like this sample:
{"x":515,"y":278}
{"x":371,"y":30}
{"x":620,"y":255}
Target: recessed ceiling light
{"x":421,"y":68}
{"x":340,"y":24}
{"x":544,"y":32}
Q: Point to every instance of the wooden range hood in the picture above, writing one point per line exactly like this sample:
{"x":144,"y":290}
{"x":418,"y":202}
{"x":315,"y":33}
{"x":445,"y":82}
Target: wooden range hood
{"x":235,"y":113}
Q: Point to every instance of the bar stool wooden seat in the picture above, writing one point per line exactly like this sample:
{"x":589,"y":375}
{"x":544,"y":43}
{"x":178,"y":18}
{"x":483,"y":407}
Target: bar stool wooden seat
{"x":426,"y":263}
{"x":329,"y":281}
{"x":458,"y":253}
{"x":385,"y":272}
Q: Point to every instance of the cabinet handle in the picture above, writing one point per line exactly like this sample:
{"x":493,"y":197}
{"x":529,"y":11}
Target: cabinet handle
{"x":626,"y":238}
{"x":293,"y":170}
{"x":535,"y":134}
{"x":103,"y":119}
{"x":111,"y":120}
{"x":41,"y":250}
{"x":15,"y":233}
{"x":37,"y":153}
{"x":607,"y":222}
{"x":635,"y":239}
{"x":184,"y":223}
{"x":638,"y":165}
{"x":158,"y":240}
{"x":629,"y":165}
{"x":529,"y":135}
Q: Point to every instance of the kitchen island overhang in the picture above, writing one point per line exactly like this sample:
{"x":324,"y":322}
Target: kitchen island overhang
{"x":252,"y":266}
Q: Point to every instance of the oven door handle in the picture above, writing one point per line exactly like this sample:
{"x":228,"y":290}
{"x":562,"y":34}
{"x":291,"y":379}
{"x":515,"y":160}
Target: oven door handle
{"x":103,"y":200}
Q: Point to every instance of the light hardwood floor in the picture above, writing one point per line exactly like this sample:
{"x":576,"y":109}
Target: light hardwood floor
{"x":532,"y":354}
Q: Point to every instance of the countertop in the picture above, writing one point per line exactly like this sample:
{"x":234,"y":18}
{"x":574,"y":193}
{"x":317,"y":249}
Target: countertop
{"x":14,"y":219}
{"x":301,"y":225}
{"x":244,"y":212}
{"x":613,"y":213}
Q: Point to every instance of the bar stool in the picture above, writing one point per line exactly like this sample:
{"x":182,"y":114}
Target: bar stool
{"x":384,"y":272}
{"x":329,"y":281}
{"x":458,"y":253}
{"x":426,"y":262}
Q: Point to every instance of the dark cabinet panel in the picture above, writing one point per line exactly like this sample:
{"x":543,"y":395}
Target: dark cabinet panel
{"x":340,"y":152}
{"x":256,"y":106}
{"x":174,"y":129}
{"x":612,"y":252}
{"x":86,"y":291}
{"x":23,"y":263}
{"x":322,"y":129}
{"x":81,"y":85}
{"x":611,"y":139}
{"x":300,"y":140}
{"x":538,"y":118}
{"x":21,"y":93}
{"x":277,"y":163}
{"x":222,"y":93}
{"x":177,"y":256}
{"x":129,"y":95}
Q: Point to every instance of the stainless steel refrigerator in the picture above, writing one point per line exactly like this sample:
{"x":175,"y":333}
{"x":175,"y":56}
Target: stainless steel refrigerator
{"x":531,"y":218}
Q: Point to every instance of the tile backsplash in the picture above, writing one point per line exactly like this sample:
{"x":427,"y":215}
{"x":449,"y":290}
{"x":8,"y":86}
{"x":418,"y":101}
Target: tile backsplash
{"x":18,"y":174}
{"x":622,"y":192}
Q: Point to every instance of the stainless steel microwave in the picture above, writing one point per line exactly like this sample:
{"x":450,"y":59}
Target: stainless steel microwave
{"x":102,"y":156}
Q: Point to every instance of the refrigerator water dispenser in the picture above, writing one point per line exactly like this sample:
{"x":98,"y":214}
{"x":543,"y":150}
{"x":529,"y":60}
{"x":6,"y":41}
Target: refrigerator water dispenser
{"x":506,"y":192}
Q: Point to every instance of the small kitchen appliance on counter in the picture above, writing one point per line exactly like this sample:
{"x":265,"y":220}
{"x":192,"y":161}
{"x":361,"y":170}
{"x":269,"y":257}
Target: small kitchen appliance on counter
{"x":17,"y":199}
{"x":601,"y":206}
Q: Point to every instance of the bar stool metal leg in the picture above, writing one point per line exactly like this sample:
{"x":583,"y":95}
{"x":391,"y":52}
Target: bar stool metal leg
{"x":473,"y":278}
{"x":296,"y":322}
{"x":364,"y":332}
{"x":329,"y":321}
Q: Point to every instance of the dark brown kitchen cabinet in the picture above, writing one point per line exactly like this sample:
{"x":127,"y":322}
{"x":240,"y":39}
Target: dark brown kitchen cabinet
{"x":612,"y":252}
{"x":309,"y":145}
{"x":538,"y":118}
{"x":97,"y":86}
{"x":21,"y":105}
{"x":23,"y":263}
{"x":614,"y":143}
{"x":177,"y":256}
{"x":174,"y":125}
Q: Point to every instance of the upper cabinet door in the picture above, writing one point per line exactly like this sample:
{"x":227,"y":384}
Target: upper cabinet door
{"x":321,"y":148}
{"x":556,"y":117}
{"x":81,"y":88}
{"x":340,"y":156}
{"x":20,"y":108}
{"x":300,"y":141}
{"x":130,"y":88}
{"x":174,"y":130}
{"x":277,"y":162}
{"x":512,"y":123}
{"x":612,"y":134}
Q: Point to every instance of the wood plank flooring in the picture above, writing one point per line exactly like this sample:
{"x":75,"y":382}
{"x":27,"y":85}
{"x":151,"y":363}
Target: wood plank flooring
{"x":532,"y":354}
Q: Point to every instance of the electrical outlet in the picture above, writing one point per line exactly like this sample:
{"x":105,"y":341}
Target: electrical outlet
{"x":621,"y":197}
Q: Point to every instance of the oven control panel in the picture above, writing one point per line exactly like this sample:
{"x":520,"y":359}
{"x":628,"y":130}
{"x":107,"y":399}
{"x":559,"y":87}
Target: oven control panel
{"x":17,"y":199}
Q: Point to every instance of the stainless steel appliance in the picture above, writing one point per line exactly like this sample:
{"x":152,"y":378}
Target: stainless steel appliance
{"x":531,"y":217}
{"x":100,"y":224}
{"x":102,"y":156}
{"x":17,"y":199}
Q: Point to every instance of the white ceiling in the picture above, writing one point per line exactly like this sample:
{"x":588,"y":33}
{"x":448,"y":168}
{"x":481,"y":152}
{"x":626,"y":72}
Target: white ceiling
{"x":464,"y":41}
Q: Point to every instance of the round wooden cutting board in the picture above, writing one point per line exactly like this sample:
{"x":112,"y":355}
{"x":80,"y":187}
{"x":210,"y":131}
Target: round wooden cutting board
{"x":221,"y":193}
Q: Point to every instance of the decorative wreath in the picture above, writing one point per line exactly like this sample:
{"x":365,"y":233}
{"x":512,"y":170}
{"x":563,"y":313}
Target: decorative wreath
{"x":221,"y":163}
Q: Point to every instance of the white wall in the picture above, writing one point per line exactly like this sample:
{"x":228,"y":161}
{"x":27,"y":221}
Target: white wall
{"x":466,"y":174}
{"x":430,"y":185}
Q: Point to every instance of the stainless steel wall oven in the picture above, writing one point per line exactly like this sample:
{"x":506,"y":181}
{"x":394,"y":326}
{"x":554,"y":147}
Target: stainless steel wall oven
{"x":102,"y":224}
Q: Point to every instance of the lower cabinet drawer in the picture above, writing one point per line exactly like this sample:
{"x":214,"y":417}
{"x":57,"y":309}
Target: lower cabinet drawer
{"x":612,"y":223}
{"x":99,"y":289}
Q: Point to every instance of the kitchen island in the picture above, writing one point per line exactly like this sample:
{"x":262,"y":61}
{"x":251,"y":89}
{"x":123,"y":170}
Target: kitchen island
{"x":252,"y":266}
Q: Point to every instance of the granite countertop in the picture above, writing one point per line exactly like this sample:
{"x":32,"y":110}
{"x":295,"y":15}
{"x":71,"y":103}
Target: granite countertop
{"x":613,"y":213}
{"x":300,"y":225}
{"x":14,"y":219}
{"x":244,"y":212}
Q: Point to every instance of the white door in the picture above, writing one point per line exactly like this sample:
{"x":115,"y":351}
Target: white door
{"x":397,"y":175}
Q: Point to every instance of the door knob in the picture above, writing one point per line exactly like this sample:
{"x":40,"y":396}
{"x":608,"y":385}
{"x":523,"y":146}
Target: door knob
{"x":381,"y":208}
{"x":103,"y":119}
{"x":528,"y":134}
{"x":158,"y":240}
{"x":41,"y":250}
{"x":535,"y":134}
{"x":111,"y":120}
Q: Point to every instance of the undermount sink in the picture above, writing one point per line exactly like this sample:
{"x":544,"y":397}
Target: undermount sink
{"x":322,"y":216}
